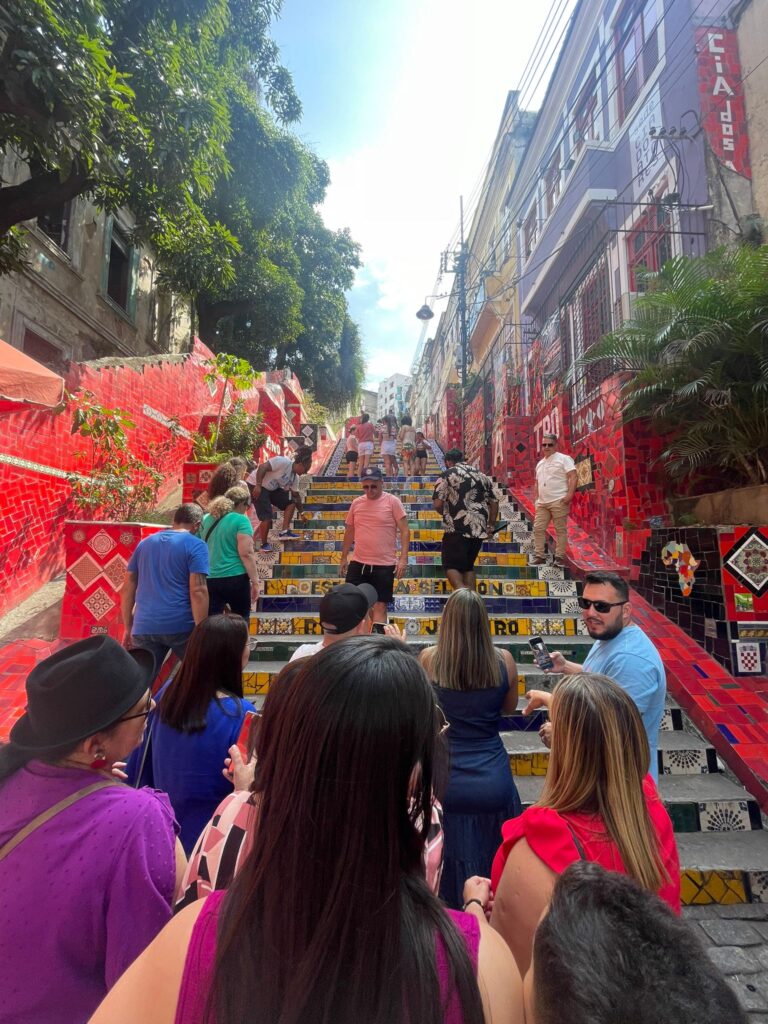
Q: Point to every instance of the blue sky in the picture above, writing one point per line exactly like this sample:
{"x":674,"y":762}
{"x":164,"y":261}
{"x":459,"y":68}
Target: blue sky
{"x":403,"y":98}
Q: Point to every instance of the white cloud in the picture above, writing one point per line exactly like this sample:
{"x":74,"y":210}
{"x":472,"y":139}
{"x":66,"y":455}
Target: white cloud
{"x":399,"y":194}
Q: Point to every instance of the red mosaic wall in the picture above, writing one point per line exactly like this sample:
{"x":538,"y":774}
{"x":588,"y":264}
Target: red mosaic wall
{"x":449,"y":421}
{"x":474,"y":430}
{"x":37,"y":450}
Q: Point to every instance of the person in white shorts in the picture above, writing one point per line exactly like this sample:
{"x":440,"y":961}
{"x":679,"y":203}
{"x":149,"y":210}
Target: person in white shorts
{"x":388,"y":427}
{"x":365,"y":435}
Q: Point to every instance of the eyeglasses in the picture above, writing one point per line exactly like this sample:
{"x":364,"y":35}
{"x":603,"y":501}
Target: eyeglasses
{"x":599,"y":606}
{"x":140,"y":714}
{"x":445,"y":725}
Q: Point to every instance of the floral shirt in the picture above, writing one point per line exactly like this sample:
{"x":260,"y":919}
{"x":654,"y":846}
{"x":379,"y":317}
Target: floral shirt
{"x":466,"y":494}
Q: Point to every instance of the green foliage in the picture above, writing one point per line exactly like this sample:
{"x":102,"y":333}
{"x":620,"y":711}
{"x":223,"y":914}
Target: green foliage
{"x":241,"y":433}
{"x":231,"y":370}
{"x":13,"y":251}
{"x":110,"y":480}
{"x":133,"y":102}
{"x":696,"y":359}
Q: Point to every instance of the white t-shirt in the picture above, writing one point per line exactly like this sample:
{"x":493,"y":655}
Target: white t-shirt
{"x":552,"y":476}
{"x":279,"y":474}
{"x":306,"y":651}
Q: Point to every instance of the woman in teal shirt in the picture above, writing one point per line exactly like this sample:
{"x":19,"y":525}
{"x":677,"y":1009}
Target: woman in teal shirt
{"x":233,"y":578}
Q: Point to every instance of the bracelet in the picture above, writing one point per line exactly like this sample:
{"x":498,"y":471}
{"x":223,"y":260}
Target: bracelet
{"x":474,"y":900}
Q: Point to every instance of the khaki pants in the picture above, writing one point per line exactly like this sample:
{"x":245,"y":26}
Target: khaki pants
{"x":557,"y":511}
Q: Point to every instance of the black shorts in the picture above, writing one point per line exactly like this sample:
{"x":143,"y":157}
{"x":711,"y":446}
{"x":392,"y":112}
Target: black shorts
{"x":380,"y":577}
{"x":421,"y":453}
{"x":351,"y":456}
{"x":280,"y":498}
{"x":459,"y":552}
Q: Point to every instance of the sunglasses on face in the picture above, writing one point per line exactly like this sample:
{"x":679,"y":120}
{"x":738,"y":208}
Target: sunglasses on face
{"x":600,"y":606}
{"x":547,"y":444}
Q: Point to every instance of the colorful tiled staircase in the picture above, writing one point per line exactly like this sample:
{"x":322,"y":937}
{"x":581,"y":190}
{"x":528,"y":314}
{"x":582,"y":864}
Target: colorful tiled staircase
{"x":723,"y":848}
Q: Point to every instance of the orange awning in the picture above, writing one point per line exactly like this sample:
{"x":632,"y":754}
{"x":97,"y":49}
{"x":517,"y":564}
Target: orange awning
{"x":23,"y":379}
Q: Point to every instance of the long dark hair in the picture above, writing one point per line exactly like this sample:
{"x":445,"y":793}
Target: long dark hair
{"x":224,"y":478}
{"x":213,"y":662}
{"x":330,"y":918}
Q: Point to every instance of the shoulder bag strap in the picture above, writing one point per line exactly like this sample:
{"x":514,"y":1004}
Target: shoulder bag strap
{"x":214,"y":527}
{"x":46,"y":816}
{"x":576,"y":842}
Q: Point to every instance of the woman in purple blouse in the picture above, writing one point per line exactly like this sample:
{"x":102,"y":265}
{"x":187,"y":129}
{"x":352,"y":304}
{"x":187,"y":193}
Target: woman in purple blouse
{"x":88,"y":865}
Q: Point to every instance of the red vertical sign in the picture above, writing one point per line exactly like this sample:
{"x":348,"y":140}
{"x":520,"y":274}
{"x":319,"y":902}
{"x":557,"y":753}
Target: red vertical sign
{"x":723,"y":113}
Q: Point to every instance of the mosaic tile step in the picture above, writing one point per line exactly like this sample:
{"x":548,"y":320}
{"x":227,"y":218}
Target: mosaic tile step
{"x":552,"y":627}
{"x":421,"y":604}
{"x":711,"y":803}
{"x":574,"y":648}
{"x":416,"y":546}
{"x":723,"y":868}
{"x":425,"y":570}
{"x":322,"y":520}
{"x":335,"y":531}
{"x":332,"y":503}
{"x":680,"y":753}
{"x":430,"y":587}
{"x":519,"y":559}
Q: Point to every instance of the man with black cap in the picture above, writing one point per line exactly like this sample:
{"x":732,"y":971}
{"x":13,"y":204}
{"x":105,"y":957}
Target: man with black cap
{"x":469,"y":502}
{"x":343,"y":613}
{"x":373,"y":524}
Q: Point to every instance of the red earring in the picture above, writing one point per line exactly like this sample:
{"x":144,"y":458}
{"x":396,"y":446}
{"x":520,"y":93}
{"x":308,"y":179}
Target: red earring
{"x":98,"y":763}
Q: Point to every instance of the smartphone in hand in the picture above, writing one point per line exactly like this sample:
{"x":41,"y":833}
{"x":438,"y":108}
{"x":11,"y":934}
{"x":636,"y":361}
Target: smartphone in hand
{"x":541,"y":654}
{"x":378,"y":627}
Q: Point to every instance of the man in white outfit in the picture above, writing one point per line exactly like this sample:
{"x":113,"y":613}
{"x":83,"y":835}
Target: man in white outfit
{"x":553,"y":492}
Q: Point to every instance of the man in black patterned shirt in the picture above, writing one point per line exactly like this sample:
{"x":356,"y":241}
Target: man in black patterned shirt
{"x":469,"y":502}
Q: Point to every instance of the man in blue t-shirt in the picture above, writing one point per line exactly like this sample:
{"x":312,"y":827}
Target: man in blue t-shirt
{"x":165,"y":593}
{"x":621,"y":651}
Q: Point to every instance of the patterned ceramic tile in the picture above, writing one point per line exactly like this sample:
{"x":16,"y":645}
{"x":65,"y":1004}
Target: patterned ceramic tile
{"x":748,"y":561}
{"x":701,"y":888}
{"x":724,"y":816}
{"x":685,"y":762}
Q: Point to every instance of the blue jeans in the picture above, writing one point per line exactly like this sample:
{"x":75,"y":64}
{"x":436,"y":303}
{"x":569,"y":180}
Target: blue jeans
{"x":158,"y":644}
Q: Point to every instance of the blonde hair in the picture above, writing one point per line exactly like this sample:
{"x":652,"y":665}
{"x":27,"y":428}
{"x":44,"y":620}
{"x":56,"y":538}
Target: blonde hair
{"x":464,"y":658}
{"x":219,"y":507}
{"x":599,"y":759}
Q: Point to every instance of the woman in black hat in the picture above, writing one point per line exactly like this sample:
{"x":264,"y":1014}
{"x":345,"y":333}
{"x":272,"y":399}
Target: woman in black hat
{"x":89,"y":865}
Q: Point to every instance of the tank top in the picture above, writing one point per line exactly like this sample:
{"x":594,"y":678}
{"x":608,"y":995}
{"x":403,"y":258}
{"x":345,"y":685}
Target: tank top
{"x":201,"y":954}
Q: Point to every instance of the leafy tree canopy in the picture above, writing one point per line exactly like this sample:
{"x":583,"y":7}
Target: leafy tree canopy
{"x":130,"y":101}
{"x":696,"y":351}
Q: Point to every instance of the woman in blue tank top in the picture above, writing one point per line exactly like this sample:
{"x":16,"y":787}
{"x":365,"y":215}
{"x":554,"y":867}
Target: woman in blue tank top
{"x":475,"y":686}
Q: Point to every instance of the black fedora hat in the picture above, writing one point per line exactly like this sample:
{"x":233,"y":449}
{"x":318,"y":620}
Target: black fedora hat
{"x":79,"y":691}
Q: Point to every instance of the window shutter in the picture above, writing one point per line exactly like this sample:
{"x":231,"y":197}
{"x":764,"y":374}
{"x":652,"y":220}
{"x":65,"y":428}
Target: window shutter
{"x":133,"y":283}
{"x":105,"y":253}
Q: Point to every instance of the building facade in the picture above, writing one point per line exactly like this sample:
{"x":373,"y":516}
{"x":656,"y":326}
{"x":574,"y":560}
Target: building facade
{"x":392,"y":395}
{"x":89,"y":292}
{"x":640,"y":152}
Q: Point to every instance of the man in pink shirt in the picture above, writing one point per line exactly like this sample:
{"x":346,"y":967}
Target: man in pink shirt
{"x":373,"y":523}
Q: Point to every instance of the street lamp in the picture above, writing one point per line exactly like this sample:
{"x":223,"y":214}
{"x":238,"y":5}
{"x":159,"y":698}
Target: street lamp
{"x":425,"y":313}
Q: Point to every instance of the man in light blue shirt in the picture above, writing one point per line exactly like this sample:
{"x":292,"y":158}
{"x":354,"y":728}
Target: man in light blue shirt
{"x":621,"y":651}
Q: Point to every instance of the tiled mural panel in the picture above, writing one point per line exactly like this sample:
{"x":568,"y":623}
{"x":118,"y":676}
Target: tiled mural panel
{"x":513,"y":454}
{"x":97,"y":555}
{"x":449,"y":435}
{"x":713,"y":583}
{"x":474,"y":430}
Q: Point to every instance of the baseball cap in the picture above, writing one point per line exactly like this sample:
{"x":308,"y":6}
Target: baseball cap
{"x":371,"y":473}
{"x":345,"y":606}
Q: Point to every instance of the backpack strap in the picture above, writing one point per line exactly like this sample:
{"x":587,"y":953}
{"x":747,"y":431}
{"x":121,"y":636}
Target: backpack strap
{"x":46,"y":816}
{"x":576,"y":842}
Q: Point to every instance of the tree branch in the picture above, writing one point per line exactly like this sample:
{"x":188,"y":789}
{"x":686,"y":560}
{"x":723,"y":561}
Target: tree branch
{"x":39,"y":194}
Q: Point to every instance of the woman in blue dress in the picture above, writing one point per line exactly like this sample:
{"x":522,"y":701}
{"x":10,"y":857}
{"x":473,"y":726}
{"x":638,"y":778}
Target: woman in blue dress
{"x":200,"y":714}
{"x":475,"y":686}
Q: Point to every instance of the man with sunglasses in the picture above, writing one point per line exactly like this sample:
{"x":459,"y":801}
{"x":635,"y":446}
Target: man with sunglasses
{"x":374,"y":522}
{"x":553,"y":491}
{"x":621,"y":651}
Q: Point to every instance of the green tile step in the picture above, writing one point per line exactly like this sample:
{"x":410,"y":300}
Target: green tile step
{"x":709,"y":802}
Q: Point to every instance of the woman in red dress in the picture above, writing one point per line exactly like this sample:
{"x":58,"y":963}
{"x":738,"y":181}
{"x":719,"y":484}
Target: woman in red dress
{"x":598,"y":804}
